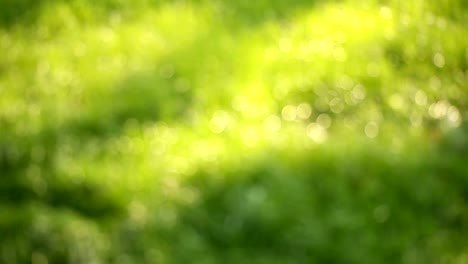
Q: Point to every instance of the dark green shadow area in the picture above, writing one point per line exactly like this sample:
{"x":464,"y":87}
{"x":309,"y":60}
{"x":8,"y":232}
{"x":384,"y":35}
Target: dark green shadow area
{"x":25,"y":13}
{"x":320,"y":206}
{"x":316,"y":206}
{"x":141,"y":98}
{"x":15,"y":11}
{"x":242,"y":13}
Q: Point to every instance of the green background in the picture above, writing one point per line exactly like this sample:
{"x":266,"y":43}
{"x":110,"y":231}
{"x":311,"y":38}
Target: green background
{"x":217,"y":131}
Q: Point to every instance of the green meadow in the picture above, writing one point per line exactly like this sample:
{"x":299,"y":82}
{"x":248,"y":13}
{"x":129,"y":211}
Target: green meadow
{"x":233,"y":131}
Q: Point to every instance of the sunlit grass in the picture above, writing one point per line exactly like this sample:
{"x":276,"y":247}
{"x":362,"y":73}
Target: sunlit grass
{"x":159,"y":116}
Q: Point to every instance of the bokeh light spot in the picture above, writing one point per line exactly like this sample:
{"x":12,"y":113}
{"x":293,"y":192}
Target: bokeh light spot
{"x":219,"y":122}
{"x":420,"y":98}
{"x":249,"y":136}
{"x":397,"y":102}
{"x":137,"y":212}
{"x":324,"y":120}
{"x":39,"y":258}
{"x":453,"y":116}
{"x":381,"y":213}
{"x":371,"y":130}
{"x":359,"y":92}
{"x":373,"y":69}
{"x":289,"y":112}
{"x":336,"y":105}
{"x":316,"y":132}
{"x":439,"y":109}
{"x":273,"y":123}
{"x":304,"y":111}
{"x":385,"y":12}
{"x":438,"y":60}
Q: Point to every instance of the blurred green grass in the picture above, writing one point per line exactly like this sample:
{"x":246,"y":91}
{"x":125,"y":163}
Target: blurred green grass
{"x":233,"y":131}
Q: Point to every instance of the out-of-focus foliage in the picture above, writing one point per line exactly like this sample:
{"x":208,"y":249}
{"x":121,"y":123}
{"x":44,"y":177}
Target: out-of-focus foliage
{"x":216,"y":131}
